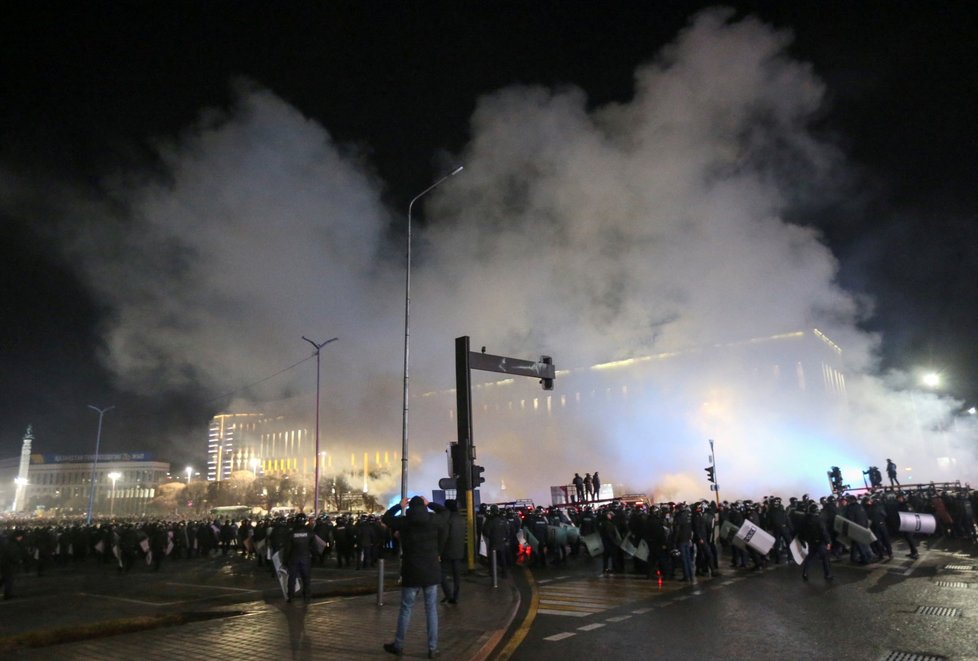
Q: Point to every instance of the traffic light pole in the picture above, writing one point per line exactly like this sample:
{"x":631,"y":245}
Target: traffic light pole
{"x":467,"y":476}
{"x":463,"y":404}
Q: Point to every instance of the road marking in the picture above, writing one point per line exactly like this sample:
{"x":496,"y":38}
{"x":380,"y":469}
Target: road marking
{"x":131,"y":601}
{"x":620,"y":618}
{"x":560,"y":636}
{"x":641,"y":611}
{"x":214,"y":587}
{"x":591,"y":627}
{"x":547,"y":611}
{"x":581,"y":604}
{"x":524,"y":628}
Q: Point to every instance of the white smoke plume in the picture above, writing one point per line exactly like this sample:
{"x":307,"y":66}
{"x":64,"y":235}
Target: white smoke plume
{"x":591,"y":235}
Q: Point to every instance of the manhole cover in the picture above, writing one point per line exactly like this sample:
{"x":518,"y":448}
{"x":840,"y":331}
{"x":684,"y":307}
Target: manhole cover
{"x":912,"y":656}
{"x":943,"y":611}
{"x":951,"y":584}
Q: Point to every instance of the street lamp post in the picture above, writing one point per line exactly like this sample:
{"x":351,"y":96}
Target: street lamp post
{"x":407,"y":330}
{"x":114,"y":475}
{"x":98,"y":442}
{"x":318,"y":346}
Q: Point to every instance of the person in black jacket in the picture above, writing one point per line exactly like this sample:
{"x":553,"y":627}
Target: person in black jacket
{"x":12,"y":555}
{"x":816,"y":535}
{"x":452,"y":553}
{"x":422,"y":536}
{"x":298,"y":555}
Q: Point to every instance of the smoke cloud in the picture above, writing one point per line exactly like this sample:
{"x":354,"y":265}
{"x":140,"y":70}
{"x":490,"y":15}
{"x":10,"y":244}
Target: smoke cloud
{"x":590,"y":234}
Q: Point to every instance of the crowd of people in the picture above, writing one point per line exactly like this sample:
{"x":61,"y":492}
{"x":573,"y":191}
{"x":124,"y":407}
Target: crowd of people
{"x":678,"y":541}
{"x":682,"y":540}
{"x":30,"y":545}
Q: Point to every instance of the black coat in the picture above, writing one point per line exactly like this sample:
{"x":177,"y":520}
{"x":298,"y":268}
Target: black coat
{"x":454,"y":548}
{"x":422,"y":535}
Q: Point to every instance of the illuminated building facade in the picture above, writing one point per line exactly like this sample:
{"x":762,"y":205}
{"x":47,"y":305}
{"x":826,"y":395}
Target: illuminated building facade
{"x":276,"y":446}
{"x":125,"y":483}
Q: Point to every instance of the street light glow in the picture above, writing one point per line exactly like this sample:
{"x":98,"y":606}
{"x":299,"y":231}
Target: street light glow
{"x":114,"y":475}
{"x":932,"y":379}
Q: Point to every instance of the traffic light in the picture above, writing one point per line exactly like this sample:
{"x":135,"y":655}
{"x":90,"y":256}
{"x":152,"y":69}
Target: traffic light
{"x":477,"y":478}
{"x":710,"y":477}
{"x":455,"y":453}
{"x":548,"y":384}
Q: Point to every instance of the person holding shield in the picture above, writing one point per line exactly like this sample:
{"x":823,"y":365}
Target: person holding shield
{"x":816,"y":535}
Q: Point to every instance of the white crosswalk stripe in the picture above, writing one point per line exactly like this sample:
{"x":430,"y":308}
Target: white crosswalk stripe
{"x":588,"y":596}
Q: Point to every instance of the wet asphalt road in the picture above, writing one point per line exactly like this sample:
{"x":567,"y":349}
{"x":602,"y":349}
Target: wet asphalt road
{"x":927,"y":608}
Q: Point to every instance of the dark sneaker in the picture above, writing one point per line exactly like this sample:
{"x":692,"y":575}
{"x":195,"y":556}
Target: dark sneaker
{"x":393,"y":649}
{"x":433,"y":654}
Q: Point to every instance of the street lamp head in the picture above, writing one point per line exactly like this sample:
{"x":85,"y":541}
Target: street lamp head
{"x":457,"y":170}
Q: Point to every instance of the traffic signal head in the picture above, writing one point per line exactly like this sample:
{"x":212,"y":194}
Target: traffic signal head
{"x":547,"y":382}
{"x":477,"y":478}
{"x":710,"y":477}
{"x":455,"y":454}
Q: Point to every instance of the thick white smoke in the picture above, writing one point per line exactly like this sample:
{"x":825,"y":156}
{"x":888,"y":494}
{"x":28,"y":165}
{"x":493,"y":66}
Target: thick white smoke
{"x":590,"y":235}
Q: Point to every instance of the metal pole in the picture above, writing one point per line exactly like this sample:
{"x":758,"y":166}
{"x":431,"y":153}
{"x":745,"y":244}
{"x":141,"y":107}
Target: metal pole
{"x":716,"y":480}
{"x":380,"y":582}
{"x":98,"y":442}
{"x":407,"y":332}
{"x":495,"y":568}
{"x":315,"y":505}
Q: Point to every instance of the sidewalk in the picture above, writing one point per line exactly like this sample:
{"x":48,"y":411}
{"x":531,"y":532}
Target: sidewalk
{"x":328,"y":627}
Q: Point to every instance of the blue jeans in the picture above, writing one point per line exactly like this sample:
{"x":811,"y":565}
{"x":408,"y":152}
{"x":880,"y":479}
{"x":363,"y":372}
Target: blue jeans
{"x":686,"y":555}
{"x":408,"y":595}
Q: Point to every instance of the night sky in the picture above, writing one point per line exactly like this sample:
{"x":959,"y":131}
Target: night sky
{"x":91,"y":90}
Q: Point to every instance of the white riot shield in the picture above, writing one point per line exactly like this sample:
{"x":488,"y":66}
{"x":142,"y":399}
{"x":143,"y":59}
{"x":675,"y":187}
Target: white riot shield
{"x":320,"y":544}
{"x":282,"y":574}
{"x":593,"y":544}
{"x":728,"y":531}
{"x":923,"y":524}
{"x":642,"y":551}
{"x":755,"y":537}
{"x":627,"y":546}
{"x":853,"y":531}
{"x":799,"y":550}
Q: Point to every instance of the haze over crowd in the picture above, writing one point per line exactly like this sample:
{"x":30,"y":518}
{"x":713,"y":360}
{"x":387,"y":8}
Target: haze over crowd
{"x":587,"y":233}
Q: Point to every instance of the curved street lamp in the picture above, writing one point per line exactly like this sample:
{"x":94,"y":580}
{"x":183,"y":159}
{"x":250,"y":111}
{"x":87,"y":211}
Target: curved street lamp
{"x":407,"y":330}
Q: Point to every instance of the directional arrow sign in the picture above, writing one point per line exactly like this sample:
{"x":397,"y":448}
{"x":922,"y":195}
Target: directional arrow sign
{"x":490,"y":363}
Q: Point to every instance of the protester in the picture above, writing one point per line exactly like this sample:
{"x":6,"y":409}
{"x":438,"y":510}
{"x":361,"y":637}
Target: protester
{"x":422,"y":535}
